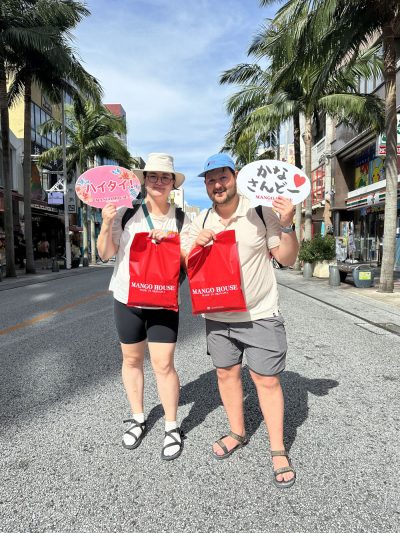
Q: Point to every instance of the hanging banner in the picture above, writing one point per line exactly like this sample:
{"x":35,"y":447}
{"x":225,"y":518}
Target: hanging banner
{"x":264,"y":180}
{"x":381,"y":142}
{"x":107,"y":184}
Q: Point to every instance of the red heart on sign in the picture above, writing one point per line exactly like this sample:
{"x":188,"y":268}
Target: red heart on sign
{"x":299,"y":180}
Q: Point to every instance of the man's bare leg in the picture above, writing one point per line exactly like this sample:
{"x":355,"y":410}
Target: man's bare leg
{"x":231,"y":391}
{"x":271,"y":400}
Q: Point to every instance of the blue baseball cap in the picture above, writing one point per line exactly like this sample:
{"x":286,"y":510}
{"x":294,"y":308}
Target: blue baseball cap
{"x":217,"y":161}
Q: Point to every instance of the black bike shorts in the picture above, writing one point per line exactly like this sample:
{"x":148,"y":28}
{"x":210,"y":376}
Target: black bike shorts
{"x":135,"y":324}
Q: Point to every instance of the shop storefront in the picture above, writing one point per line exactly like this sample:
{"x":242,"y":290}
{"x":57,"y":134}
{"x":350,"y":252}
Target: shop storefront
{"x":48,"y":221}
{"x":368,"y":206}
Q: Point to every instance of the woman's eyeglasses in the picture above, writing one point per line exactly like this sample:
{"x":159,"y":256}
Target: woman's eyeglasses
{"x":163,"y":179}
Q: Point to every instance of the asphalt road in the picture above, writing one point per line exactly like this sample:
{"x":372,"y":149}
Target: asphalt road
{"x":63,"y":467}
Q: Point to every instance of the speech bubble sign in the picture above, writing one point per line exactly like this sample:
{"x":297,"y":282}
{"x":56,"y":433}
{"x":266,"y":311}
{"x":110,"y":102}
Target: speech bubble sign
{"x":107,"y":184}
{"x":264,"y":180}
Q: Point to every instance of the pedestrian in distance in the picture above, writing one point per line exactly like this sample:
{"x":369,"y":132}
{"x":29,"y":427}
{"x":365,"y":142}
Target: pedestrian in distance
{"x":157,"y":326}
{"x":43,"y":249}
{"x":258,"y":332}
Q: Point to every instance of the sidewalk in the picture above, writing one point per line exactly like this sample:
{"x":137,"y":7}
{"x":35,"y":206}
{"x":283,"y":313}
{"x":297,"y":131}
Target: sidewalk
{"x":42,"y":276}
{"x":376,"y":307}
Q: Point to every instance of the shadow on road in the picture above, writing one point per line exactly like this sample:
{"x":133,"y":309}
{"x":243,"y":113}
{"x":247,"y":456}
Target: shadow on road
{"x":203,"y":394}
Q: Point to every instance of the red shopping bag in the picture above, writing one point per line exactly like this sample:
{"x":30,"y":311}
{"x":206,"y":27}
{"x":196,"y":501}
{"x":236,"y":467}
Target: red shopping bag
{"x":214,"y":276}
{"x":154,"y":272}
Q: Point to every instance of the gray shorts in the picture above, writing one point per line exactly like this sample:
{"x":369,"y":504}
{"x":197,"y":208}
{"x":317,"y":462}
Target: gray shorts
{"x":264,"y":342}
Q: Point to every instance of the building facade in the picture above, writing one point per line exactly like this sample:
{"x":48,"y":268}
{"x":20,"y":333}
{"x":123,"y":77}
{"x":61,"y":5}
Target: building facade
{"x":359,"y":184}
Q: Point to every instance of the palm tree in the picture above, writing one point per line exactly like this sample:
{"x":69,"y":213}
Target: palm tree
{"x":281,"y":92}
{"x":92,"y":132}
{"x":342,"y":27}
{"x":15,"y":32}
{"x":247,"y":148}
{"x":56,"y":70}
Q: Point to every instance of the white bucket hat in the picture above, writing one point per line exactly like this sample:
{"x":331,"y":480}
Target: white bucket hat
{"x":160,"y":163}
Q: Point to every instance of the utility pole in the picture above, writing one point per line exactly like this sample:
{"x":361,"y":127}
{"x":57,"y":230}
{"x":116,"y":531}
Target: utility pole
{"x":66,"y":214}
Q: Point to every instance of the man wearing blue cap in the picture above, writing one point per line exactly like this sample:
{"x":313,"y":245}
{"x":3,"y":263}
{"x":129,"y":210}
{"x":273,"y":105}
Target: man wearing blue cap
{"x":259,"y":332}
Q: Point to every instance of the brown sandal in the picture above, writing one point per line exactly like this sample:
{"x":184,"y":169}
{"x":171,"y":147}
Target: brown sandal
{"x":283,"y":470}
{"x":242,"y":440}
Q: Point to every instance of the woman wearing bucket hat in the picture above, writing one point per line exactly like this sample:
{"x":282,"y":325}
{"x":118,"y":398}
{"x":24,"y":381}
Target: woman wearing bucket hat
{"x":135,"y":326}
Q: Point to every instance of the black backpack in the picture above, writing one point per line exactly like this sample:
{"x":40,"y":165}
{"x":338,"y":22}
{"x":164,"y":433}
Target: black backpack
{"x":179,"y":216}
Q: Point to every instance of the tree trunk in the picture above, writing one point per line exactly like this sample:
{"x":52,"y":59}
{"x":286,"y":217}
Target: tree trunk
{"x":297,"y":162}
{"x":308,"y":146}
{"x":27,"y":170}
{"x":8,"y":204}
{"x":389,"y":229}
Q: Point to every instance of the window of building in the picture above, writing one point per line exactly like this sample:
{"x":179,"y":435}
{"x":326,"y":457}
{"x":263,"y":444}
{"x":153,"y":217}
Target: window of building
{"x":39,"y":117}
{"x":318,"y":185}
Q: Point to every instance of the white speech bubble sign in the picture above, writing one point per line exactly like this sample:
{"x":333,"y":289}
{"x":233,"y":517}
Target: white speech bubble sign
{"x":264,"y":180}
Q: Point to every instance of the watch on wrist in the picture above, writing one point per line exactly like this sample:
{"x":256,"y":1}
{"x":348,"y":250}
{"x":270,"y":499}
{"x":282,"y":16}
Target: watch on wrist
{"x":288,"y":229}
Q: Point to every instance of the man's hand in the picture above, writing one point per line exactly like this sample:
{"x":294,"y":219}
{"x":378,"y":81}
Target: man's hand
{"x":284,"y":207}
{"x":204,"y":237}
{"x":108,"y":213}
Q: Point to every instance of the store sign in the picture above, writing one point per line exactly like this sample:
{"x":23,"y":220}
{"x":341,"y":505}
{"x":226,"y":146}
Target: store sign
{"x":369,"y":171}
{"x":381,"y":143}
{"x":55,"y":198}
{"x":44,"y":207}
{"x":264,"y":180}
{"x":71,"y":198}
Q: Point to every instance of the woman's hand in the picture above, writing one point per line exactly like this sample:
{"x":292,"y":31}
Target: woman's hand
{"x":157,"y":234}
{"x":108,"y":213}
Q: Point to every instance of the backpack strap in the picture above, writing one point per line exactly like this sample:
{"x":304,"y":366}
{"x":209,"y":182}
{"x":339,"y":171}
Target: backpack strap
{"x":180,"y":217}
{"x":260,"y":213}
{"x":129,"y":213}
{"x":205,"y":218}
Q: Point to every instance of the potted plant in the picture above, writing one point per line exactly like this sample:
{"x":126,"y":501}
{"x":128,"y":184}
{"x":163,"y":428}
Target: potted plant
{"x":306,"y":255}
{"x":324,"y":249}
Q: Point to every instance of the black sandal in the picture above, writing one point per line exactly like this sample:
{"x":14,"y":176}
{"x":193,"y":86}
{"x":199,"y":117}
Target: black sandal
{"x":176,"y":442}
{"x":283,"y":484}
{"x":242,"y":440}
{"x":138,"y":439}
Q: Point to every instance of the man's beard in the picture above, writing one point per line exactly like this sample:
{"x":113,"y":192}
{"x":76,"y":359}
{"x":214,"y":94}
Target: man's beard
{"x":230,"y":194}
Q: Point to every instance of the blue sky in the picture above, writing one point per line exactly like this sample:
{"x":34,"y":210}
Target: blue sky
{"x":161,"y":59}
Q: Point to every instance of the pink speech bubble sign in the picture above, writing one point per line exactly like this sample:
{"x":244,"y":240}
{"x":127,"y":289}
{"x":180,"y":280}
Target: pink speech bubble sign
{"x":107,"y":184}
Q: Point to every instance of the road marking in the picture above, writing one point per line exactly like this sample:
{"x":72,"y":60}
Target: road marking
{"x":49,"y":314}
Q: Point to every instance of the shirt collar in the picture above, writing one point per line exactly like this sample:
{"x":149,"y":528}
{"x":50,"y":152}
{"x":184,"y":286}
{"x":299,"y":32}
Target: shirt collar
{"x":241,"y":210}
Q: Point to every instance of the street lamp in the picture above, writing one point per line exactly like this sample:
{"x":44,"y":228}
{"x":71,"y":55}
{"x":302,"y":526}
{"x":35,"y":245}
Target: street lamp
{"x":66,"y":215}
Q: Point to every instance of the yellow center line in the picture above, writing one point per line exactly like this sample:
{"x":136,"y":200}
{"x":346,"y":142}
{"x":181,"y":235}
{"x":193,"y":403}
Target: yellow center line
{"x":49,"y":314}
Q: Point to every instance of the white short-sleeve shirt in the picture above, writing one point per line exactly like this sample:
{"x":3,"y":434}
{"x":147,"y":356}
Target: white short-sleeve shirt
{"x":119,"y":283}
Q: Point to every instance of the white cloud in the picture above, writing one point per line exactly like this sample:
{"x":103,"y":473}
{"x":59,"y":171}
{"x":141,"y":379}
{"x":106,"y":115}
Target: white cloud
{"x":162,"y":61}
